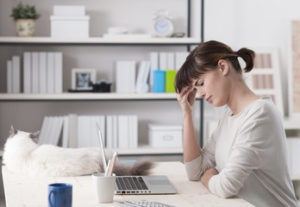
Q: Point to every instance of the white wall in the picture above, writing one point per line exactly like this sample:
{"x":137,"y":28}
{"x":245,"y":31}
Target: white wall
{"x":241,"y":23}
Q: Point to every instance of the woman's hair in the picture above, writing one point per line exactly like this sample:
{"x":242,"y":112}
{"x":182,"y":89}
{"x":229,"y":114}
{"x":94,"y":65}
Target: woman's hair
{"x":205,"y":58}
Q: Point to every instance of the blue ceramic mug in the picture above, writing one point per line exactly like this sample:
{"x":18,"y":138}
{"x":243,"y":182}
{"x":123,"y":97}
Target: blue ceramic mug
{"x":59,"y":195}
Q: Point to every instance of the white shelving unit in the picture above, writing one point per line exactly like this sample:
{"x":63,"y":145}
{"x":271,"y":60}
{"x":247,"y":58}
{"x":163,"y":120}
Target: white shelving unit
{"x":87,"y":96}
{"x":44,"y":41}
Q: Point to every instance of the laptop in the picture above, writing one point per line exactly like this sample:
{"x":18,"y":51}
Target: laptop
{"x":139,"y":184}
{"x":143,"y":185}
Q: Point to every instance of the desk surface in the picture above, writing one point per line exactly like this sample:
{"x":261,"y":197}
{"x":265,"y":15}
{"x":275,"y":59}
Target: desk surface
{"x":23,"y":191}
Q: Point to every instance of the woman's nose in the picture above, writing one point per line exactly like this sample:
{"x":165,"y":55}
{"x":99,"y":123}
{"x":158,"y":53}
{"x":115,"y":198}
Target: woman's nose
{"x":201,"y":94}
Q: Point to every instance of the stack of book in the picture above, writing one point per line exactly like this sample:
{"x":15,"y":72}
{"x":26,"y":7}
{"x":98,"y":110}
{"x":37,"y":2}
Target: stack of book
{"x":118,"y":131}
{"x":43,"y":72}
{"x":156,"y":75}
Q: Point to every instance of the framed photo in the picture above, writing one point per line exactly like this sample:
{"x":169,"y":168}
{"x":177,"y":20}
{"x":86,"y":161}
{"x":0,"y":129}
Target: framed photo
{"x":82,"y":78}
{"x":294,"y":72}
{"x":264,"y":79}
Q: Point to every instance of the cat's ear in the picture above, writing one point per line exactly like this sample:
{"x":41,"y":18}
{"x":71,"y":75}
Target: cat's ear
{"x":35,"y":136}
{"x":12,"y":131}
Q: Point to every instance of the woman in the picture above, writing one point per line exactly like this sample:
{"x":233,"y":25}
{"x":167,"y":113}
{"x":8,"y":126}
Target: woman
{"x":246,"y":154}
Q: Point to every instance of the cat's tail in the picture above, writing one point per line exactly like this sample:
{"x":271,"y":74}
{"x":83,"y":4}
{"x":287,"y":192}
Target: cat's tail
{"x":140,"y":167}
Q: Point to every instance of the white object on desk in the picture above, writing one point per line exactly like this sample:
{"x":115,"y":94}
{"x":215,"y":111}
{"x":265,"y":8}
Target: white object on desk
{"x":104,"y":187}
{"x":102,"y":148}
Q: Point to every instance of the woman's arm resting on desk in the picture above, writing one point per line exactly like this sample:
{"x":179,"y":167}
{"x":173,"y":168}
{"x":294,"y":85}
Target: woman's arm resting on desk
{"x":246,"y":156}
{"x":207,"y":175}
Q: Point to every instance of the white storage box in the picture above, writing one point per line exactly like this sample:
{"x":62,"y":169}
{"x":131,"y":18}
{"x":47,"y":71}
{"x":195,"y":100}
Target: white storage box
{"x":165,"y":136}
{"x":70,"y":27}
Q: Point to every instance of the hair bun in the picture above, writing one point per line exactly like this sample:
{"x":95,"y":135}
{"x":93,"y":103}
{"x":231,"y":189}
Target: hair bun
{"x":248,"y":56}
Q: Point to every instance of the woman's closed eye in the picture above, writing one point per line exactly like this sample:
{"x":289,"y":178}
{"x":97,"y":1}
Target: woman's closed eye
{"x":199,"y":83}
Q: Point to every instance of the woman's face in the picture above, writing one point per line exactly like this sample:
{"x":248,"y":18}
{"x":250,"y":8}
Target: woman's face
{"x":213,"y":86}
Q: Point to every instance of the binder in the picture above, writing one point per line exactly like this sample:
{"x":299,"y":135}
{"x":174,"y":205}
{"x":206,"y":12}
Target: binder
{"x":50,"y":72}
{"x":16,"y":74}
{"x":43,"y":72}
{"x":9,"y":77}
{"x":125,"y":77}
{"x":27,"y":73}
{"x":58,"y":63}
{"x":170,"y":81}
{"x":35,"y":72}
{"x":159,"y":81}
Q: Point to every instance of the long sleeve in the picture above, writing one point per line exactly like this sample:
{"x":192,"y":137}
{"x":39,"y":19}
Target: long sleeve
{"x":199,"y":165}
{"x":247,"y":151}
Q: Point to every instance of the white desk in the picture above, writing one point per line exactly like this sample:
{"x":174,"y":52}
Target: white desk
{"x":32,"y":192}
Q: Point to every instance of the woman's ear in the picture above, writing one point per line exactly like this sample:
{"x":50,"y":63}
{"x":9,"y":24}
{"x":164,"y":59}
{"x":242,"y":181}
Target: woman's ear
{"x":223,"y":67}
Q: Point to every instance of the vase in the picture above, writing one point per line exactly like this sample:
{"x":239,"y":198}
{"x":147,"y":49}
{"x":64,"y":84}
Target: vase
{"x":25,"y":27}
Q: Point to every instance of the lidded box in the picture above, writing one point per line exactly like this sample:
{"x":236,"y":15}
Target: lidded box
{"x":165,"y":136}
{"x":69,"y":22}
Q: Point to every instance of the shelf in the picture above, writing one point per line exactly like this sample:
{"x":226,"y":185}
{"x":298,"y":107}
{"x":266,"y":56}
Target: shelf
{"x":147,"y":150}
{"x":86,"y":96}
{"x":295,"y":177}
{"x":99,"y":41}
{"x":144,"y":150}
{"x":291,"y":123}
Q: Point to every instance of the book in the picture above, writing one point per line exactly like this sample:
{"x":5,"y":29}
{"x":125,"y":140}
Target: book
{"x":57,"y":129}
{"x":43,"y":72}
{"x":142,"y":77}
{"x":154,"y":62}
{"x":125,"y":76}
{"x":163,"y":60}
{"x":123,"y":131}
{"x":16,"y":74}
{"x":72,"y":130}
{"x":170,"y":61}
{"x":170,"y":81}
{"x":82,"y":132}
{"x":159,"y":81}
{"x":180,"y":58}
{"x":115,"y":131}
{"x":35,"y":72}
{"x":9,"y":77}
{"x":27,"y":73}
{"x":44,"y":132}
{"x":65,"y":137}
{"x":50,"y":72}
{"x":58,"y":76}
{"x":109,"y":132}
{"x":133,"y":131}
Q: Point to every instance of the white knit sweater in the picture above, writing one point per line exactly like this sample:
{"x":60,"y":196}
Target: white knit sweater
{"x":249,"y":151}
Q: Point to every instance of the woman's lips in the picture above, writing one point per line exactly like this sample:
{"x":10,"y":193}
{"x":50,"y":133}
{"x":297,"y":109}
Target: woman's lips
{"x":209,"y":99}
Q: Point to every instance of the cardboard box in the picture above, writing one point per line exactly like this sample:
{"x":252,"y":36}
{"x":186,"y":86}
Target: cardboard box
{"x":165,"y":136}
{"x":70,"y":27}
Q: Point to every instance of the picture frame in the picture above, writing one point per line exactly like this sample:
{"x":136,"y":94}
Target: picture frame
{"x":82,"y":77}
{"x":294,"y":70}
{"x":265,"y":78}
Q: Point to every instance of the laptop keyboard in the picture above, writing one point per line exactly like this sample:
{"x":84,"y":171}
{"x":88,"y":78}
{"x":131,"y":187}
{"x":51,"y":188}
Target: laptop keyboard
{"x":131,"y":183}
{"x":143,"y":204}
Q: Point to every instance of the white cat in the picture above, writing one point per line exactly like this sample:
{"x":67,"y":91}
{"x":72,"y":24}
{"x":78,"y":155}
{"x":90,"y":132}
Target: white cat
{"x":23,"y":155}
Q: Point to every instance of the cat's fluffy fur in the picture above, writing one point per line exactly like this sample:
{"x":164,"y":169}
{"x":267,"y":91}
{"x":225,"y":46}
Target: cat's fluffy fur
{"x":23,"y":155}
